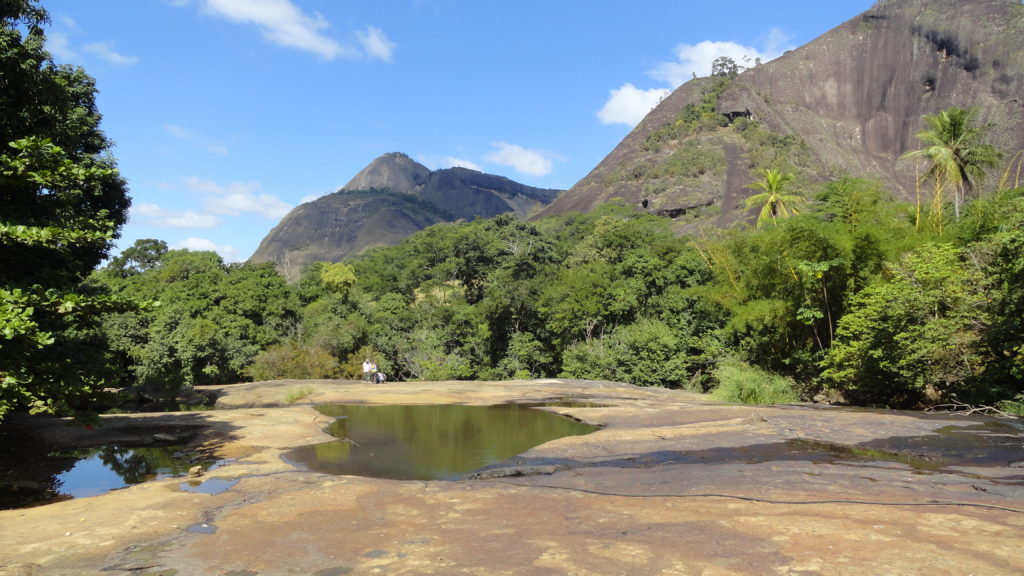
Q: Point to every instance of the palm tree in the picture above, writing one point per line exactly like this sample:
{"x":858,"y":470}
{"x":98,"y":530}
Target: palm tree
{"x":773,"y":201}
{"x":958,"y":157}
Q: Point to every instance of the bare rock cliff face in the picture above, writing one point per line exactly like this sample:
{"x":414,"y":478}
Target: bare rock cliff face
{"x":341,"y":225}
{"x":394,"y":171}
{"x":853,"y":98}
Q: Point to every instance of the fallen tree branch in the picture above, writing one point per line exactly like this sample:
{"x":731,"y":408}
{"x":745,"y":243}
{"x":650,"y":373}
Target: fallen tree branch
{"x":967,"y":410}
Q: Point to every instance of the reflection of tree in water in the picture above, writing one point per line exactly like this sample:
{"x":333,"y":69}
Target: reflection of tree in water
{"x":25,"y":477}
{"x":135,"y":465}
{"x":34,"y":472}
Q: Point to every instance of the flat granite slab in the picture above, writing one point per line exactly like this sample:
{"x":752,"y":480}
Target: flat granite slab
{"x":672,"y":483}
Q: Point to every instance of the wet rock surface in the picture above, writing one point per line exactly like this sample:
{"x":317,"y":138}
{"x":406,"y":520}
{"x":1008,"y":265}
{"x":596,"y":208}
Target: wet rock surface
{"x":671,"y":484}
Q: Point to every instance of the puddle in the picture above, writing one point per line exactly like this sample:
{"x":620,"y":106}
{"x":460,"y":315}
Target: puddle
{"x":202,"y":528}
{"x":563,"y":402}
{"x":91,"y":472}
{"x":208,"y":486}
{"x":985,"y":443}
{"x":977,"y":444}
{"x":432,"y":442}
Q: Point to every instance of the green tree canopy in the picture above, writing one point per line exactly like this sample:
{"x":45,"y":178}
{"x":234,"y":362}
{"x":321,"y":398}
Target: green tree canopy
{"x":63,"y":203}
{"x":208,"y":321}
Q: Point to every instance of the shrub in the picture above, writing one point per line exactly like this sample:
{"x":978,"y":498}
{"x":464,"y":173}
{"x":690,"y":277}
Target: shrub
{"x":746,"y":384}
{"x":292,"y":360}
{"x":645,"y":353}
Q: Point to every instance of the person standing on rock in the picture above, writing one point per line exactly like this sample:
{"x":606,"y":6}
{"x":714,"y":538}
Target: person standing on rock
{"x":367,"y":367}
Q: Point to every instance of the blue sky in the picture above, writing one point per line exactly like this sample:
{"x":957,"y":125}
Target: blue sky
{"x":228,"y":113}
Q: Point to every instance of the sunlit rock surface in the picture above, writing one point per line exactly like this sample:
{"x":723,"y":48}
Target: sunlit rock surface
{"x":672,"y":483}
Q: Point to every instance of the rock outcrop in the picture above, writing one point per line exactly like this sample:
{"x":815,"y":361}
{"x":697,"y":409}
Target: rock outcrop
{"x":849,"y":102}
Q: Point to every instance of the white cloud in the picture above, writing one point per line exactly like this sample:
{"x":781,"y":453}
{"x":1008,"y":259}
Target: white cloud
{"x":189,"y":136}
{"x":453,"y":162}
{"x":441,"y":162}
{"x":629,"y":104}
{"x":282,"y":23}
{"x":148,"y":210}
{"x":227,"y":251}
{"x":376,"y":44}
{"x":263,"y":204}
{"x":157,"y":216}
{"x":285,"y":24}
{"x":191,"y":220}
{"x":236,"y":198}
{"x":697,"y":58}
{"x":58,"y":44}
{"x":531,"y":162}
{"x":776,"y":43}
{"x":104,"y":51}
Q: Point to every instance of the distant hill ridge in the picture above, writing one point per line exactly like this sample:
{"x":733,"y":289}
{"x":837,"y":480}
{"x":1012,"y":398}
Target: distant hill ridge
{"x":386,"y":202}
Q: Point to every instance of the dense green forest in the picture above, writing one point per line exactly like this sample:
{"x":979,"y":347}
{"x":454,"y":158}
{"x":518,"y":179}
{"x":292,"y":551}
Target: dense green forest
{"x":858,"y":298}
{"x":833,"y":291}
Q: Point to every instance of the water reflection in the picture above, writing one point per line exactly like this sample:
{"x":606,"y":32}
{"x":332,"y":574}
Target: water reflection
{"x":438,"y":442}
{"x":93,"y":471}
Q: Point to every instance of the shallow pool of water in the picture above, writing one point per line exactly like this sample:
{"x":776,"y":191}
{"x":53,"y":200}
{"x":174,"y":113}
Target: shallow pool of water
{"x":95,"y":471}
{"x":430,"y":442}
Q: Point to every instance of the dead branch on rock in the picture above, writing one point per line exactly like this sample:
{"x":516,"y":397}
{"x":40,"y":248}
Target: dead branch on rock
{"x":964,"y":409}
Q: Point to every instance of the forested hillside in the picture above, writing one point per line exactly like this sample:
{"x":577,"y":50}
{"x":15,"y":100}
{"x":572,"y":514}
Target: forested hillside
{"x":858,"y":298}
{"x":832,"y":288}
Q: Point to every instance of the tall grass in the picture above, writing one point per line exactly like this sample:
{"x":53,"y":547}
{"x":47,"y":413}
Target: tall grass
{"x":746,"y":384}
{"x":299,"y":394}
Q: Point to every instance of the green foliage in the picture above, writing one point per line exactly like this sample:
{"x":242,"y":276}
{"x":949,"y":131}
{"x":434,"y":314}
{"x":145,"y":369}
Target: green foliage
{"x":746,"y":384}
{"x":780,"y":290}
{"x":700,"y":116}
{"x":956,"y":155}
{"x":137,"y":258}
{"x":774,"y":202}
{"x":338,"y":278}
{"x":767,"y":149}
{"x":848,"y":295}
{"x":293,"y":361}
{"x":692,"y":160}
{"x":63,"y":202}
{"x":211,"y":321}
{"x":1003,"y":254}
{"x":914,"y":337}
{"x":647,"y":353}
{"x":526,"y":357}
{"x":725,"y":66}
{"x":300,"y":393}
{"x":1014,"y":407}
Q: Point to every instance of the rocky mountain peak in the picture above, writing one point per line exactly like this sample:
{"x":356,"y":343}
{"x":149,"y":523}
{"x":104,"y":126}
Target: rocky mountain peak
{"x":389,"y":200}
{"x":392,"y":171}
